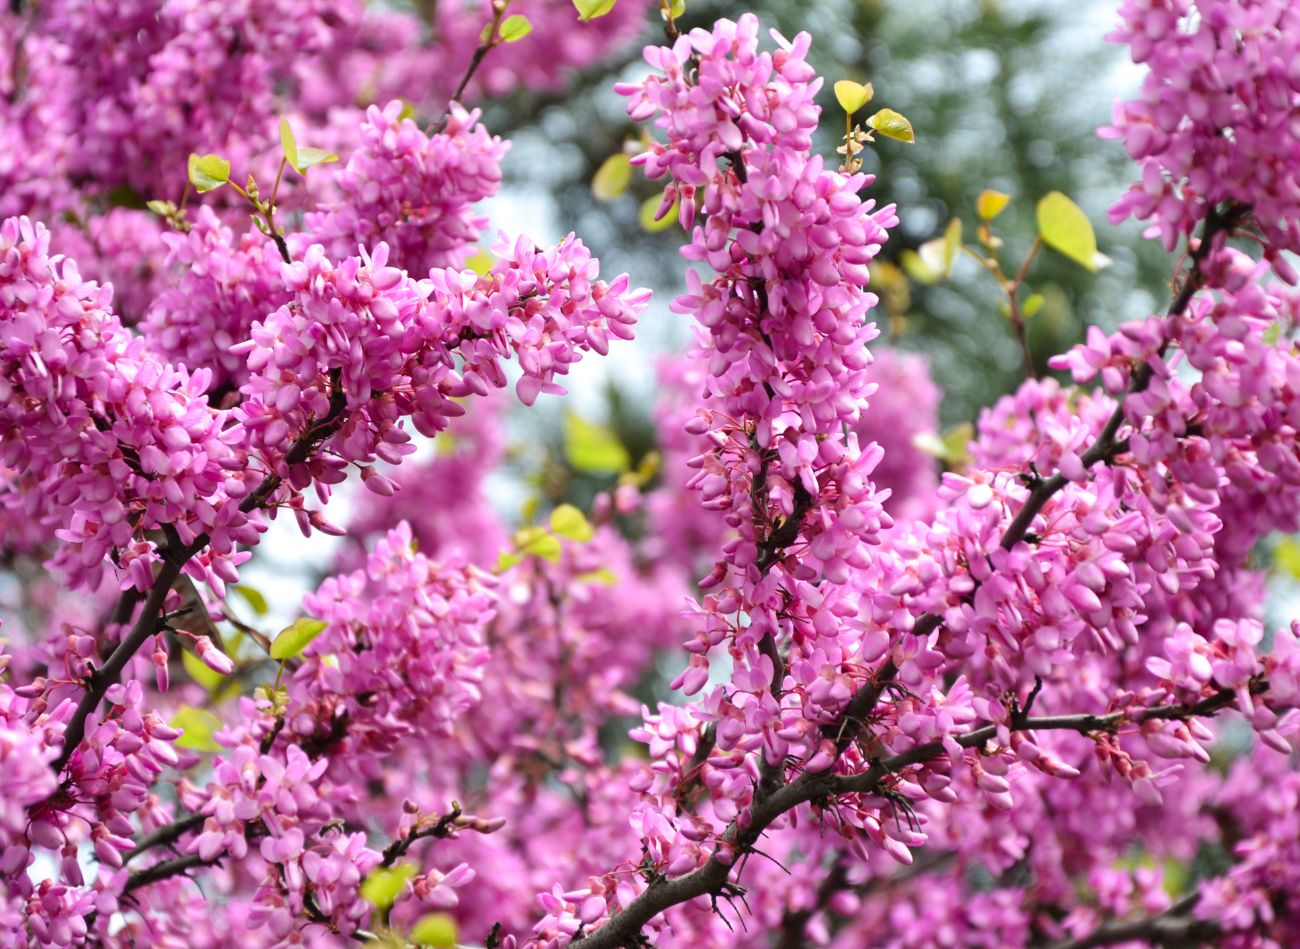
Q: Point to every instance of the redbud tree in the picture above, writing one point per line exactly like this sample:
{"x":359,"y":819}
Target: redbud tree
{"x":1012,"y":692}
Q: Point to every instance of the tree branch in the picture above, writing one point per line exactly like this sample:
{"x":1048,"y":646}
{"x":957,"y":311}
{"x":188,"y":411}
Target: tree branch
{"x":149,"y":622}
{"x":1175,"y":928}
{"x":167,"y":834}
{"x":662,"y":893}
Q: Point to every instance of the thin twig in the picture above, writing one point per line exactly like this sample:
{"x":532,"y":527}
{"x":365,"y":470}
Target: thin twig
{"x":165,"y":835}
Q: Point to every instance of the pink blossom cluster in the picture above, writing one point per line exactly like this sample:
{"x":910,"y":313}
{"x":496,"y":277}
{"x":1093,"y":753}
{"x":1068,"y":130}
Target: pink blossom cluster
{"x":1215,"y":121}
{"x":403,"y":652}
{"x":120,"y":443}
{"x":413,"y":191}
{"x":147,"y":83}
{"x":391,"y":52}
{"x":224,"y":287}
{"x":1025,"y":702}
{"x":443,"y":497}
{"x":390,"y":347}
{"x":783,"y":338}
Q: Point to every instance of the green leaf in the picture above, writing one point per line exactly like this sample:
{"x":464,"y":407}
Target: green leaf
{"x":950,"y":448}
{"x":568,"y":521}
{"x":289,"y":144}
{"x":208,"y":172}
{"x":1273,"y":333}
{"x":933,"y":255}
{"x":384,"y":884}
{"x":254,"y":598}
{"x":593,"y":448}
{"x":676,"y":9}
{"x":917,"y":266}
{"x":408,"y":111}
{"x":852,"y":96}
{"x":481,"y":263}
{"x":310,"y":157}
{"x":990,"y":204}
{"x":297,"y":636}
{"x":508,"y":560}
{"x":436,"y":930}
{"x":603,"y":575}
{"x":515,"y":27}
{"x":612,"y":177}
{"x":161,"y":208}
{"x":956,"y":444}
{"x":1287,"y":557}
{"x":650,"y":207}
{"x":1032,"y":305}
{"x":890,"y":124}
{"x":199,"y":671}
{"x":951,"y":245}
{"x":591,"y":9}
{"x":301,"y":158}
{"x":1066,"y":229}
{"x":198,"y":725}
{"x":537,"y":541}
{"x":931,"y":444}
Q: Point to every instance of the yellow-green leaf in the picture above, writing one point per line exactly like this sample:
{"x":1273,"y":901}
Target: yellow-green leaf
{"x":200,"y":672}
{"x":162,"y":208}
{"x":288,"y":143}
{"x":612,"y":177}
{"x":537,"y":541}
{"x":891,"y":124}
{"x":1066,"y":229}
{"x":481,"y":263}
{"x":1273,"y":333}
{"x":930,"y":443}
{"x":603,"y":575}
{"x":951,"y":245}
{"x":956,"y":444}
{"x":593,"y":448}
{"x":408,"y":111}
{"x":507,"y":560}
{"x":990,"y":204}
{"x":852,"y":96}
{"x":591,"y":9}
{"x":650,"y":207}
{"x":1287,"y":556}
{"x":918,"y":267}
{"x":208,"y":172}
{"x":934,"y":258}
{"x":308,"y":157}
{"x":515,"y":27}
{"x":675,"y":9}
{"x":384,"y":884}
{"x":436,"y":930}
{"x":254,"y":598}
{"x":568,"y":521}
{"x":296,"y":637}
{"x":1032,"y":305}
{"x":198,"y":727}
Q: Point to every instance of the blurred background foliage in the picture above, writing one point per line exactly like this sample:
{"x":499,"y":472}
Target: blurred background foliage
{"x":1002,"y":95}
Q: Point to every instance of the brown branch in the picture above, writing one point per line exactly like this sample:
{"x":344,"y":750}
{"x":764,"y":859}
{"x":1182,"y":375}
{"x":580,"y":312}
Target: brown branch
{"x":1175,"y":928}
{"x":165,"y":835}
{"x":664,"y":893}
{"x":480,"y":53}
{"x":445,"y":826}
{"x":165,"y":870}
